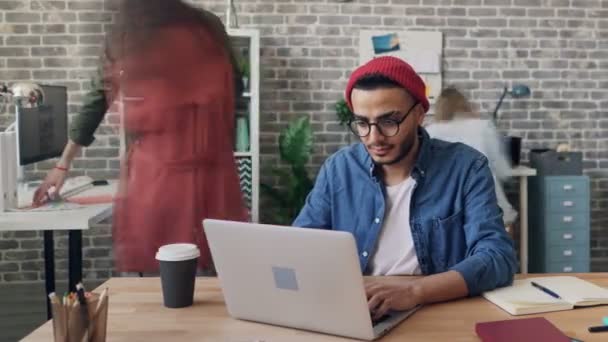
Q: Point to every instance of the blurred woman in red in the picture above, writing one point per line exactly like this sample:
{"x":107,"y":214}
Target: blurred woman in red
{"x":172,"y":65}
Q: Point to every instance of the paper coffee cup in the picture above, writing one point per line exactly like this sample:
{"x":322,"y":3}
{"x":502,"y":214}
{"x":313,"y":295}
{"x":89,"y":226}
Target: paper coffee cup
{"x":178,"y":273}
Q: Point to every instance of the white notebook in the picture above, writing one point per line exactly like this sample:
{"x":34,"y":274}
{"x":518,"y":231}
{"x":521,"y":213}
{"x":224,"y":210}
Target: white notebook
{"x":523,"y":298}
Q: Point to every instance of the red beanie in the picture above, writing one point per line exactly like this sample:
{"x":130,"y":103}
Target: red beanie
{"x":394,"y":69}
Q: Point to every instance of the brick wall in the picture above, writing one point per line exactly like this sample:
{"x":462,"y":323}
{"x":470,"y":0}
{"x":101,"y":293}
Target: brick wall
{"x":558,"y":47}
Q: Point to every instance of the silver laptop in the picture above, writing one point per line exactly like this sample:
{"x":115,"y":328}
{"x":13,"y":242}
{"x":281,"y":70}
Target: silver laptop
{"x":295,"y":277}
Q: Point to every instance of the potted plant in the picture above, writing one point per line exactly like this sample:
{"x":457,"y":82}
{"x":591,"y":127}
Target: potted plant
{"x":295,"y":148}
{"x":344,"y":115}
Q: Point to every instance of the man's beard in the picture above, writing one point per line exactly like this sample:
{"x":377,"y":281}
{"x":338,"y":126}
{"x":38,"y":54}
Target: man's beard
{"x":404,"y":151}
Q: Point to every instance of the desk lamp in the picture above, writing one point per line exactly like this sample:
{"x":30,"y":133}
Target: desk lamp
{"x":512,"y":144}
{"x":518,"y":91}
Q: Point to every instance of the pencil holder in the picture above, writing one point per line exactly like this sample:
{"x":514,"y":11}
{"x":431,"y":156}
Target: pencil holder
{"x":74,"y":323}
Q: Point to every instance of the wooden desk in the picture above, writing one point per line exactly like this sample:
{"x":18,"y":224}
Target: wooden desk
{"x":523,"y":172}
{"x":137,"y":314}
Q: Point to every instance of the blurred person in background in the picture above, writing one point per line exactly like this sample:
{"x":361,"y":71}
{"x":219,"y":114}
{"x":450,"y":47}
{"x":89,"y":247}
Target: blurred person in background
{"x":456,"y":121}
{"x":174,"y":66}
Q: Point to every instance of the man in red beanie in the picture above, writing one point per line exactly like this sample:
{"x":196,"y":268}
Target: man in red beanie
{"x":415,"y":205}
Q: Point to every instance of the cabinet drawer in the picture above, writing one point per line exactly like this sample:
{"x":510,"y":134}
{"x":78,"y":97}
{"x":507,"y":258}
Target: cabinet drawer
{"x":567,"y":186}
{"x":568,"y":237}
{"x":581,"y":266}
{"x":573,"y":221}
{"x":568,"y":204}
{"x":568,"y":253}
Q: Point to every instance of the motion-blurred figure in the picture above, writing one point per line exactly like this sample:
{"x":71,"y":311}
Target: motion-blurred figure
{"x":171,"y":65}
{"x":456,"y":121}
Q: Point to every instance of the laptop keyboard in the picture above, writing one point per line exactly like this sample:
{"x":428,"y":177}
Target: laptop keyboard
{"x":380,"y":320}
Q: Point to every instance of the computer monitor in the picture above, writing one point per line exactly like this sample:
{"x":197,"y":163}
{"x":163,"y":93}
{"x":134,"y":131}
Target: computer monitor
{"x":43,"y":131}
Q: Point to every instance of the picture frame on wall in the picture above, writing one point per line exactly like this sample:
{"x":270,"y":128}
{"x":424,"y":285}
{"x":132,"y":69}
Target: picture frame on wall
{"x":423,"y":50}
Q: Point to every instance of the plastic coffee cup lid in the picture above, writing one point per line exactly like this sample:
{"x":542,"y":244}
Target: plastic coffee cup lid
{"x":177,"y":252}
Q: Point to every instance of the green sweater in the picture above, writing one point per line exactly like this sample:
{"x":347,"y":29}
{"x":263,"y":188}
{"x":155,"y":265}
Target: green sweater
{"x":91,"y":114}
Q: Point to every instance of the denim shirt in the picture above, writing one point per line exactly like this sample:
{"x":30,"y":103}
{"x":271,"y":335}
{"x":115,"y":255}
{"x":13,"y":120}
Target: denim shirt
{"x":454,"y":217}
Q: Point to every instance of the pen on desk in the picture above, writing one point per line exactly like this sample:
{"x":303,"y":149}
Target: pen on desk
{"x":546,"y":290}
{"x":599,"y":328}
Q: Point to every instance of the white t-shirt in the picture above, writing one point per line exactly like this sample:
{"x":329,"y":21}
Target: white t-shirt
{"x":395,"y":252}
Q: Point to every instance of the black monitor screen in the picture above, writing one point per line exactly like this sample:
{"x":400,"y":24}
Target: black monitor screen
{"x":43,"y":131}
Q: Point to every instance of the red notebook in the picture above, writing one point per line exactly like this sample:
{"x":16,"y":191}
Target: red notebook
{"x":520,"y":330}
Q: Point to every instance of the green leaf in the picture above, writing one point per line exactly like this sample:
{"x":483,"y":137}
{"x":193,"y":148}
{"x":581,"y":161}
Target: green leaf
{"x":278,"y":206}
{"x":343,"y":112}
{"x":275,"y":195}
{"x":295,"y":146}
{"x":281,"y":174}
{"x":295,"y":142}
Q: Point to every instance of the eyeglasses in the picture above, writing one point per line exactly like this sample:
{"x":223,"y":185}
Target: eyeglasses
{"x":386,"y":126}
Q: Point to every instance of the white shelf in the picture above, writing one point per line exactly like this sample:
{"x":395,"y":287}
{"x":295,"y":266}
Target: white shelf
{"x":251,"y":159}
{"x":243,"y":154}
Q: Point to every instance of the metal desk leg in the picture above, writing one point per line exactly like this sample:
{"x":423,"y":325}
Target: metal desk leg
{"x":75,"y":258}
{"x":49,"y":269}
{"x":523,"y":216}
